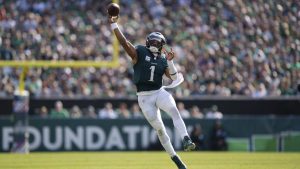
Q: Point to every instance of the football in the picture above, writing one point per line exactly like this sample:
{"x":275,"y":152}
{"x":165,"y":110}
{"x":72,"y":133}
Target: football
{"x":113,"y":9}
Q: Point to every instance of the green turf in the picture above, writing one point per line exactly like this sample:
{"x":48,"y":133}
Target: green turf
{"x":149,"y":160}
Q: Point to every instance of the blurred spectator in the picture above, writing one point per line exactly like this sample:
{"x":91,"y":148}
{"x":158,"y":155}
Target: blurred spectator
{"x":43,"y":112}
{"x":218,"y":137}
{"x":59,"y":111}
{"x":198,"y":137}
{"x":90,"y":112}
{"x":260,"y":91}
{"x":6,"y":51}
{"x":136,"y":111}
{"x":183,"y":112}
{"x":34,"y":85}
{"x":75,"y":112}
{"x":2,"y":92}
{"x":214,"y":113}
{"x":123,"y":111}
{"x":8,"y":86}
{"x":196,"y":113}
{"x":107,"y":112}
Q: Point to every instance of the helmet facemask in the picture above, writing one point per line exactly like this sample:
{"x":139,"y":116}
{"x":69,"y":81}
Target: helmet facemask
{"x":155,"y":41}
{"x":155,"y":46}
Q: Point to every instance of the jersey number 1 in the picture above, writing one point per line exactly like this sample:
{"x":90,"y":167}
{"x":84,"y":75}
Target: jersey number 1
{"x":152,"y":73}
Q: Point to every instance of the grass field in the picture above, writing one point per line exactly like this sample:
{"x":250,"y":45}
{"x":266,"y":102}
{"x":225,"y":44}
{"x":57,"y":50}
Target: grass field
{"x":149,"y":160}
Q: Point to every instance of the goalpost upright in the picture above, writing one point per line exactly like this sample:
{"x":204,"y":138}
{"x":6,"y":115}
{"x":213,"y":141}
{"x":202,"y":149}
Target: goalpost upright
{"x":21,"y":96}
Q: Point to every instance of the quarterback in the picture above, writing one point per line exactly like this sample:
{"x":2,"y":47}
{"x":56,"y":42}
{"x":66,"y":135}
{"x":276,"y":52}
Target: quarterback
{"x":150,"y":63}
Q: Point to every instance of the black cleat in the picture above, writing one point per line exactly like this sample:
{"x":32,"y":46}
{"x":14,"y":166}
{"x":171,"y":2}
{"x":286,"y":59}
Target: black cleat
{"x":188,"y":145}
{"x":178,"y":162}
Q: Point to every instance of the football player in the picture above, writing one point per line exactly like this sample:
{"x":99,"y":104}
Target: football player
{"x":150,"y":63}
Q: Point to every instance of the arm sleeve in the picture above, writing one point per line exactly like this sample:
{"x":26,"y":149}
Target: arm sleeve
{"x":172,"y":70}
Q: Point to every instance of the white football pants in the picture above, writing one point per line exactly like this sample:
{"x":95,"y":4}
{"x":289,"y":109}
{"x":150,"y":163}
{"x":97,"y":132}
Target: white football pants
{"x":150,"y":105}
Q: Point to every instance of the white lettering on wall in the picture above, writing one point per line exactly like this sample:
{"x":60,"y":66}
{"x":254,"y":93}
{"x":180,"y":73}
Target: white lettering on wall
{"x":7,"y":137}
{"x":98,"y":132}
{"x":36,"y":138}
{"x":153,"y":136}
{"x":58,"y":138}
{"x":132,"y":132}
{"x":145,"y":136}
{"x":85,"y":137}
{"x":115,"y":140}
{"x":75,"y":138}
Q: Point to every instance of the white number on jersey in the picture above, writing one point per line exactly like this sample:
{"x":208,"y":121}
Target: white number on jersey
{"x":152,"y":73}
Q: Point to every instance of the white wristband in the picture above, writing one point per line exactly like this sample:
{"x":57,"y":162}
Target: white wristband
{"x":114,"y":26}
{"x":172,"y":69}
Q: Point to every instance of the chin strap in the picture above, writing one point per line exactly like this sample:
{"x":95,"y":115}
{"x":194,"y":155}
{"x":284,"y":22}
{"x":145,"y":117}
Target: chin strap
{"x":172,"y":70}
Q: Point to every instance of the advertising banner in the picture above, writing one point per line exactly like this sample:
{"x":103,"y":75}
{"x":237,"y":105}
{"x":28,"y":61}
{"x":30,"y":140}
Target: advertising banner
{"x":129,"y":135}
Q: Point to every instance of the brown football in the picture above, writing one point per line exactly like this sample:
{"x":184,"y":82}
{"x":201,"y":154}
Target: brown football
{"x":113,"y":9}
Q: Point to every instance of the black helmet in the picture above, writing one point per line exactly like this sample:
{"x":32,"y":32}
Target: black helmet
{"x":156,"y":39}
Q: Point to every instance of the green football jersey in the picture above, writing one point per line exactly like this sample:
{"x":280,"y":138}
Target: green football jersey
{"x":149,"y":70}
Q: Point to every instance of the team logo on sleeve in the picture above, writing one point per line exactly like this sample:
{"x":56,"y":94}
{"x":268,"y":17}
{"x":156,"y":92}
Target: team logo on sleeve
{"x":147,"y":58}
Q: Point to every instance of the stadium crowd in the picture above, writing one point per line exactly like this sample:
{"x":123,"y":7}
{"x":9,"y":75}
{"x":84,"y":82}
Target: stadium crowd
{"x":121,"y":111}
{"x":223,"y":48}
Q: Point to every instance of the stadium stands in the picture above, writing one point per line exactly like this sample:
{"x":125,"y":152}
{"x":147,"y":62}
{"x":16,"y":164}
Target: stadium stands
{"x":226,"y":48}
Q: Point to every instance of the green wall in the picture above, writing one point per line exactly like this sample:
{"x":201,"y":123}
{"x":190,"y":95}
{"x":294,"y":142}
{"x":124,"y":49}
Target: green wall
{"x":95,"y":134}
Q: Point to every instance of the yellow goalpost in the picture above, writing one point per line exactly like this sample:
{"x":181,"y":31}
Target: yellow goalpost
{"x":21,"y":96}
{"x":26,"y":64}
{"x":58,"y":64}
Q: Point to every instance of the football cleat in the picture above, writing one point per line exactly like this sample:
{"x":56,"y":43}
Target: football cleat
{"x":178,"y":162}
{"x":188,"y":145}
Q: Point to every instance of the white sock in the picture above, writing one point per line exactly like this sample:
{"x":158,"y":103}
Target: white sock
{"x":178,"y":123}
{"x":180,"y":126}
{"x":169,"y":148}
{"x":165,"y":142}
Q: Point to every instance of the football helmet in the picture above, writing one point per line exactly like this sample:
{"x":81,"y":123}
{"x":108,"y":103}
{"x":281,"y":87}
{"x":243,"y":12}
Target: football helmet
{"x":155,"y":41}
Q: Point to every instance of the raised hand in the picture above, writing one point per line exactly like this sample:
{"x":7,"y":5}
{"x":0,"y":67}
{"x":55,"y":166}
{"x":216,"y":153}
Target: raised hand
{"x":169,"y":55}
{"x":113,"y":19}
